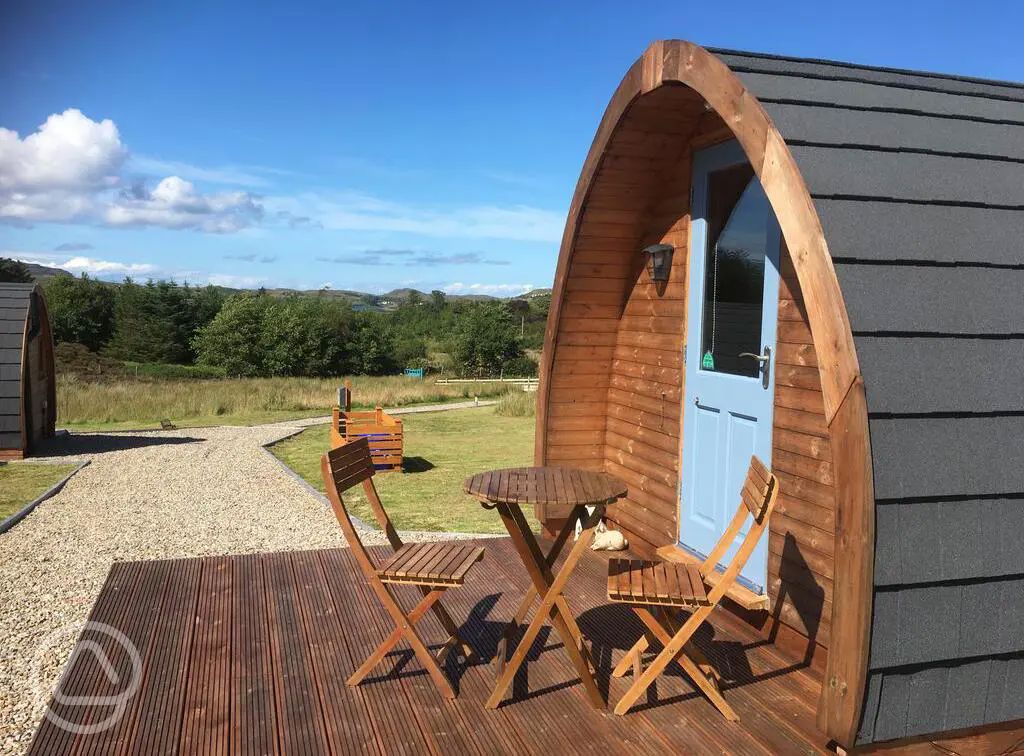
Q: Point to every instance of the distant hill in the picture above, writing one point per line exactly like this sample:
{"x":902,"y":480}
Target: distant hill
{"x":359,"y":300}
{"x":42,"y":272}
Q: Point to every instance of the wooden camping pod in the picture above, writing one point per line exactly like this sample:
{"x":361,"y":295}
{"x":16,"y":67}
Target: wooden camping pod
{"x":882,"y":166}
{"x":28,"y":396}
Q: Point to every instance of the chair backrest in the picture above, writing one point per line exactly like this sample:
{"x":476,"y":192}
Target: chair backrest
{"x":343,"y":468}
{"x":757,"y":500}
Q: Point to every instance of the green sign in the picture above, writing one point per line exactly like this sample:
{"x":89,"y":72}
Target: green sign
{"x":708,"y":361}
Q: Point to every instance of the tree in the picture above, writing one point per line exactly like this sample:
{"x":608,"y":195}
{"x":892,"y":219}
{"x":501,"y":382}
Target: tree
{"x":257,"y":335}
{"x":373,"y":346}
{"x":487,"y":337}
{"x":14,"y":271}
{"x":158,"y":322}
{"x":307,"y":336}
{"x":234,"y":339}
{"x":81,"y":310}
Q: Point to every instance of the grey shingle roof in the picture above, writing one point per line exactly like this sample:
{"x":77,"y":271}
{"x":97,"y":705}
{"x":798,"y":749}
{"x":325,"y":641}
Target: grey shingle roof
{"x":14,"y":305}
{"x":919,"y":183}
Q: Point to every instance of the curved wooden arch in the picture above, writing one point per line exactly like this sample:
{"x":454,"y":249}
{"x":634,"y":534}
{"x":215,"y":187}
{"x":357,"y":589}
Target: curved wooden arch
{"x":49,"y":361}
{"x":675,"y":62}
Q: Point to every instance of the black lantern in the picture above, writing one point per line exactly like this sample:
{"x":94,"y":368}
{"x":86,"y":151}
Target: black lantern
{"x":660,"y":260}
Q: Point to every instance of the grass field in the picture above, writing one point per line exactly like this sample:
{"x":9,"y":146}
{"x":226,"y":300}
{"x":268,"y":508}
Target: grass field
{"x":441,"y":450}
{"x":130,"y":403}
{"x":21,"y":483}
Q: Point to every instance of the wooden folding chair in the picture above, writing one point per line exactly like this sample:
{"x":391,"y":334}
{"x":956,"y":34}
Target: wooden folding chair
{"x":431,"y":567}
{"x":671,"y":586}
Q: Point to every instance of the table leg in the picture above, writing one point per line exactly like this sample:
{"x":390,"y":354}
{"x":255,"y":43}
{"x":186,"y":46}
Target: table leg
{"x":531,"y":593}
{"x":552,"y":605}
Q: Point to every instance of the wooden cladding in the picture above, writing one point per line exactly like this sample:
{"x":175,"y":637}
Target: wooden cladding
{"x":617,"y":380}
{"x":800,"y":563}
{"x":633,"y":191}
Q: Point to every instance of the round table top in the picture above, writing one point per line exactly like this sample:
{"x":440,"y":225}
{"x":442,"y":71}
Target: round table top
{"x":545,"y":485}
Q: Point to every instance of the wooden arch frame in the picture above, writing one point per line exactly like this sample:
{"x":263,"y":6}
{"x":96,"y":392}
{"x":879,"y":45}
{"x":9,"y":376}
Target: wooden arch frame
{"x":674,"y":62}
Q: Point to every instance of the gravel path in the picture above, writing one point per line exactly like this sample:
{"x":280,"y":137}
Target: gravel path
{"x":191,"y":492}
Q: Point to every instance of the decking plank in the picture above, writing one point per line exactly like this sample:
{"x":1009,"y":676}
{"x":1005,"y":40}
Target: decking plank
{"x":162,"y":695}
{"x":80,"y":674}
{"x":254,"y":721}
{"x":207,"y":721}
{"x":250,"y":654}
{"x":344,"y":716}
{"x":388,"y":705}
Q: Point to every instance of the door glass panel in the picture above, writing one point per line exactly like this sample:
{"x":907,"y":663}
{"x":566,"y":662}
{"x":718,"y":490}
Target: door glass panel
{"x":737,"y":216}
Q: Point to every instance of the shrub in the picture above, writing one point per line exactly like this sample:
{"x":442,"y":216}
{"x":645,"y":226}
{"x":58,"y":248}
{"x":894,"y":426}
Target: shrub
{"x":520,"y":367}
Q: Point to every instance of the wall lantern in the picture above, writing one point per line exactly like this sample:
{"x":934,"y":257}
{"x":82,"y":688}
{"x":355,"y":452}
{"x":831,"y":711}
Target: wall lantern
{"x":660,"y":260}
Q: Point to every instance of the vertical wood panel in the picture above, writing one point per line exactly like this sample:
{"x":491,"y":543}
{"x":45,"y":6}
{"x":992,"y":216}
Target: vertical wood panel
{"x":647,"y":380}
{"x":800,"y":570}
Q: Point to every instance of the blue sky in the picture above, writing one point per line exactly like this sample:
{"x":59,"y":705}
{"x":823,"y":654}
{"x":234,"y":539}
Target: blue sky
{"x":366,"y":145}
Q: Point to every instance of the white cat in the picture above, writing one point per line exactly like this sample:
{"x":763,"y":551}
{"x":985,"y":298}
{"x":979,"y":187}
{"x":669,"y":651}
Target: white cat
{"x":608,"y":540}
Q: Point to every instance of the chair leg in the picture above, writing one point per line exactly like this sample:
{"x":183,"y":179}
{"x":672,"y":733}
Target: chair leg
{"x":675,"y":647}
{"x":702,"y":661}
{"x":454,"y":638}
{"x":632,"y":656}
{"x":404,"y":627}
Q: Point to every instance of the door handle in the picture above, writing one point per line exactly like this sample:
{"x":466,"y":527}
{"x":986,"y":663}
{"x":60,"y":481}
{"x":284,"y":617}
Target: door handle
{"x":765,"y":362}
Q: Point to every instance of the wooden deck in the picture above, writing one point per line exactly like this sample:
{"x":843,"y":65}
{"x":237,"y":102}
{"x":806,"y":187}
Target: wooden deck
{"x":248,"y":654}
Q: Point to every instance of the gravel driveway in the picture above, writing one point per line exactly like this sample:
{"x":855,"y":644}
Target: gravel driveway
{"x":192,"y":492}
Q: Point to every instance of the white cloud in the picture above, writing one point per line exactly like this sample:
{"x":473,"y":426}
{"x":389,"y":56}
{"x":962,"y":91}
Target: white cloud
{"x":497,"y":290}
{"x":175,"y":203}
{"x":71,"y":169}
{"x":100,"y":267}
{"x":233,"y":282}
{"x":69,"y":151}
{"x":232,"y":175}
{"x":80,"y":264}
{"x":353,"y":211}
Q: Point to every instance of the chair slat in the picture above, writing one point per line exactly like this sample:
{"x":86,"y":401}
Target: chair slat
{"x":433,"y":568}
{"x":613,"y":577}
{"x":650,"y":588}
{"x":660,"y":581}
{"x":625,"y":583}
{"x":451,"y":560}
{"x":350,"y":464}
{"x":400,"y":559}
{"x":425,"y":553}
{"x":636,"y":577}
{"x":753,"y":500}
{"x":474,"y":556}
{"x":757,"y":467}
{"x":671,"y":580}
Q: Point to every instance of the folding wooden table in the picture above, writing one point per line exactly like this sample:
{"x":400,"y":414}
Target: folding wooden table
{"x":508,"y":491}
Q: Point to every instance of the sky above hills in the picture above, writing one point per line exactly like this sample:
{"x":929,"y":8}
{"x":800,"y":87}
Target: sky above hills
{"x":366,"y":146}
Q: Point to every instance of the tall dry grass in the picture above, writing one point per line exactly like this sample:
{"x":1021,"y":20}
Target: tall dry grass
{"x":517,"y":403}
{"x":239,"y":400}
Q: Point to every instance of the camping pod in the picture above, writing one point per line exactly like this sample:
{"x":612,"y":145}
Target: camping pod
{"x":28,"y":398}
{"x":821,"y":264}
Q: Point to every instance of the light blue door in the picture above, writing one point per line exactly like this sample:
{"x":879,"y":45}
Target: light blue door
{"x":732,"y":309}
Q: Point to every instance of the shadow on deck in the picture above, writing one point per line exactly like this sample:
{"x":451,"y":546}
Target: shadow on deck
{"x":249,"y":654}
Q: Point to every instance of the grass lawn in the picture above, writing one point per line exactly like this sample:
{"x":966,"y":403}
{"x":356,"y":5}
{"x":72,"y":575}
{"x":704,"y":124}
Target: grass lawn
{"x":441,"y":450}
{"x":21,"y":483}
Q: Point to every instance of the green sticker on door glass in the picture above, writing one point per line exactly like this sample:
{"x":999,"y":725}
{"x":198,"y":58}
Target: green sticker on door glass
{"x":708,"y":361}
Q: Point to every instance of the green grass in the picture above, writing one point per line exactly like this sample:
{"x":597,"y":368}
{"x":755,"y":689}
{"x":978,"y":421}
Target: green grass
{"x":22,"y":482}
{"x":441,"y":450}
{"x":123,"y":403}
